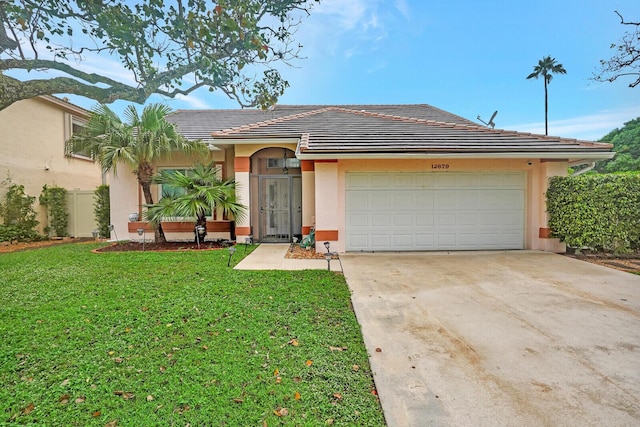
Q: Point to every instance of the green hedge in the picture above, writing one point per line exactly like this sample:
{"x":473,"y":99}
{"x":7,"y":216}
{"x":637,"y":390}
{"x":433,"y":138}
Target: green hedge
{"x":10,"y":233}
{"x":101,"y":210}
{"x":55,"y":200}
{"x":596,"y":211}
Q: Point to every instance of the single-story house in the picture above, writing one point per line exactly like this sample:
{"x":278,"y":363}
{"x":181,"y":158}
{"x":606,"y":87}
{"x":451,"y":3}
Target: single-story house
{"x":376,"y":177}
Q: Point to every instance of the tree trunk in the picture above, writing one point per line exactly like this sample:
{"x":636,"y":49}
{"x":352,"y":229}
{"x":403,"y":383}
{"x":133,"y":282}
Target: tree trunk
{"x":158,"y":233}
{"x":546,"y":109}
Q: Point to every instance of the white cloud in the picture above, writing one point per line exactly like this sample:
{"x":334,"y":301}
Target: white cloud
{"x":590,"y":127}
{"x":403,"y":8}
{"x":346,"y":13}
{"x":339,"y":28}
{"x":194,"y":102}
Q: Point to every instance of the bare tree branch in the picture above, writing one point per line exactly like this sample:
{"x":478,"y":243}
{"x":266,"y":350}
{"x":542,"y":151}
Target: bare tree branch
{"x":215,"y":44}
{"x":625,"y":61}
{"x":626,"y":23}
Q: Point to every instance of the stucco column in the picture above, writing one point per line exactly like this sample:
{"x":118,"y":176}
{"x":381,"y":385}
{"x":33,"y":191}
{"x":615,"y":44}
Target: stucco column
{"x":547,"y":170}
{"x":327,"y":215}
{"x":242,"y":166}
{"x":308,"y":196}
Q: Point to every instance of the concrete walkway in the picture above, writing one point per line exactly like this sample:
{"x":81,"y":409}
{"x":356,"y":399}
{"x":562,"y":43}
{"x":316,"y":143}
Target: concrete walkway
{"x":271,"y":256}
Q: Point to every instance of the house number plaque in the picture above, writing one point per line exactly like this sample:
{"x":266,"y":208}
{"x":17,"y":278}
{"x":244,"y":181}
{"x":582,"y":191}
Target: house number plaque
{"x":440,"y":166}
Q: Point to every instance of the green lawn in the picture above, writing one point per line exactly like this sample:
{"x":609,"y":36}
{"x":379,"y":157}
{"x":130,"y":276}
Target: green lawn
{"x":160,"y":339}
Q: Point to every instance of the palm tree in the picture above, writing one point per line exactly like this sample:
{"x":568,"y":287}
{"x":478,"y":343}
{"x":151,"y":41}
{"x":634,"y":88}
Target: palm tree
{"x":195,"y":194}
{"x":138,"y":142}
{"x":545,"y":68}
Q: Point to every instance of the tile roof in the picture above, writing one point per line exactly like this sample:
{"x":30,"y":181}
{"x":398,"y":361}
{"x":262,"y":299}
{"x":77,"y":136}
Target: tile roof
{"x":200,"y":124}
{"x":372,"y":129}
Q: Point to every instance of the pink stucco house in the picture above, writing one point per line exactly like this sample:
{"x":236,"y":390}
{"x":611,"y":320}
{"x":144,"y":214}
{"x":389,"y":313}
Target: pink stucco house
{"x":375,"y":177}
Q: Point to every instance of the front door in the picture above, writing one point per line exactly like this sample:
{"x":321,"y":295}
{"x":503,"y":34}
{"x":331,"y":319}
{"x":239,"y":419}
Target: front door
{"x":280,"y":210}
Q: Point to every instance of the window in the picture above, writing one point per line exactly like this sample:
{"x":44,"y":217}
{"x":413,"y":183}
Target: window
{"x":74,"y":125}
{"x":279,"y":163}
{"x":166,"y":190}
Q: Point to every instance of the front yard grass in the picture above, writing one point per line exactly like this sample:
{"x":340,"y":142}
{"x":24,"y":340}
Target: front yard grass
{"x":159,"y":339}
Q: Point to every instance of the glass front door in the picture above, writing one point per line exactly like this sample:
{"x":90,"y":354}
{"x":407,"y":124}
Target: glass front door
{"x":275,"y":209}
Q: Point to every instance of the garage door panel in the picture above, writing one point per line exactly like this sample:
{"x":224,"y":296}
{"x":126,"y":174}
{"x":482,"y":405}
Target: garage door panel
{"x":467,"y":199}
{"x":380,"y":242}
{"x":358,"y":181}
{"x":435,"y":211}
{"x":380,"y":220}
{"x":380,"y":181}
{"x":468,"y":240}
{"x":402,"y":241}
{"x":425,"y":241}
{"x":467,"y":218}
{"x":357,"y":200}
{"x":403,"y":220}
{"x":403,"y":180}
{"x":501,"y":199}
{"x":446,"y":219}
{"x":380,"y":200}
{"x":425,"y":219}
{"x":424,"y":181}
{"x":445,"y":181}
{"x":425,"y":200}
{"x":402,"y":200}
{"x":355,"y":240}
{"x":446,"y":240}
{"x":446,"y":200}
{"x":357,"y":220}
{"x":514,"y":219}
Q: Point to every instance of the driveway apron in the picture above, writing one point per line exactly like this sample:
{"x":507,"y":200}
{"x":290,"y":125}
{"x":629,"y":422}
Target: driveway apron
{"x":518,"y":338}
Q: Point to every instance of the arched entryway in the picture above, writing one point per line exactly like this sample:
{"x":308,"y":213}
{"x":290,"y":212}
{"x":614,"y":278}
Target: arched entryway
{"x":276,"y":196}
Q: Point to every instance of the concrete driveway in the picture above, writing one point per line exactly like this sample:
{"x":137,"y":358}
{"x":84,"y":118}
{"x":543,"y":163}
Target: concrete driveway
{"x":499,"y":338}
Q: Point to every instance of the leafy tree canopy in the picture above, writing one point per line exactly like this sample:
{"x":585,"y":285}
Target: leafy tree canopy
{"x":168,"y":47}
{"x":626,"y":143}
{"x":626,"y":58}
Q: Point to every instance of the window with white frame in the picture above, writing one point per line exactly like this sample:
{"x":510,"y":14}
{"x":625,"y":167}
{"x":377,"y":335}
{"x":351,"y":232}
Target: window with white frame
{"x":74,"y":125}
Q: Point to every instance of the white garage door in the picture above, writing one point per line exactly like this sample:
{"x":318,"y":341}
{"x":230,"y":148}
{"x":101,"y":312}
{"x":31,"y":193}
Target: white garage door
{"x":434,"y":211}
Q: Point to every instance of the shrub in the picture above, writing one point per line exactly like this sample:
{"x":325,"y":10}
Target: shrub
{"x":596,"y":211}
{"x":101,"y":209}
{"x":19,"y":218}
{"x":55,"y":200}
{"x":10,"y":233}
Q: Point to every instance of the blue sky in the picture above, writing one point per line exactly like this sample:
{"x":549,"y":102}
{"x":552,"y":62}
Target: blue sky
{"x":467,"y":57}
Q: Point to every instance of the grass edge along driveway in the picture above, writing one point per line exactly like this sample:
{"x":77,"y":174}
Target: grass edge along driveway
{"x":177,"y":339}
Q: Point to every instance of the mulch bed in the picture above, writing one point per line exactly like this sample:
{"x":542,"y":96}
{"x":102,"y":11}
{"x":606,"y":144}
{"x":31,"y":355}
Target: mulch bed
{"x":23,"y":246}
{"x":296,"y":252}
{"x":625,"y":262}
